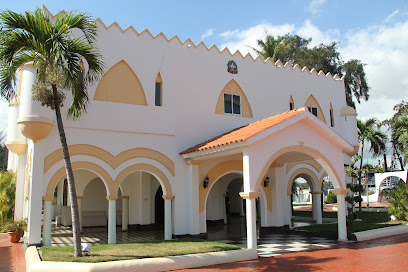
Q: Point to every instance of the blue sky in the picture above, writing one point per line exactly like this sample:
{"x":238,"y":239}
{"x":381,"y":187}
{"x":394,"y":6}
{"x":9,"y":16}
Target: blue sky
{"x":376,"y":31}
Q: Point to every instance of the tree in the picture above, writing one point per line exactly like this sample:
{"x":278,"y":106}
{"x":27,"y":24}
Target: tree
{"x":3,"y":152}
{"x":295,"y":49}
{"x":274,"y":48}
{"x":56,"y":51}
{"x":399,"y":201}
{"x":369,"y":131}
{"x":398,"y":124}
{"x":7,"y":196}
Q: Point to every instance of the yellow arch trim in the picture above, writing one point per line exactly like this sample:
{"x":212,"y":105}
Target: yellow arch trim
{"x":232,"y":87}
{"x":312,"y":163}
{"x":214,"y":174}
{"x":113,"y":161}
{"x":120,"y":84}
{"x":164,"y":181}
{"x":312,"y":102}
{"x":300,"y":171}
{"x":75,"y":166}
{"x":321,"y":181}
{"x":297,"y":148}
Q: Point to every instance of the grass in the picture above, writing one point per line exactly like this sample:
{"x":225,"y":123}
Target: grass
{"x":116,"y":252}
{"x":369,"y":221}
{"x":309,"y":214}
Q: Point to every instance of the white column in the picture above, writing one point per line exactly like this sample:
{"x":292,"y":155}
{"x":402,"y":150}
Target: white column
{"x":250,"y":217}
{"x":318,"y":208}
{"x":125,"y":213}
{"x":168,"y":230}
{"x":290,"y":210}
{"x":79,"y":200}
{"x":35,"y":177}
{"x":46,"y":241}
{"x":193,"y":197}
{"x":224,"y":207}
{"x":20,"y":180}
{"x":313,"y":207}
{"x":112,"y":219}
{"x":341,"y":214}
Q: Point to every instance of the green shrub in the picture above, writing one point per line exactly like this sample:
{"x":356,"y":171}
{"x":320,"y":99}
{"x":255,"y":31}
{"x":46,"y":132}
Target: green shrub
{"x":331,"y":198}
{"x":399,"y":201}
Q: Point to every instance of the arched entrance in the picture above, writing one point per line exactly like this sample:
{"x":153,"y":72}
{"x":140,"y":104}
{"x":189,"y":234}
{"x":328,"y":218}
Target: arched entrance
{"x":225,"y":209}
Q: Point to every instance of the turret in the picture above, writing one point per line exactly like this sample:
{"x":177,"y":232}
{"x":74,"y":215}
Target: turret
{"x":34,"y":121}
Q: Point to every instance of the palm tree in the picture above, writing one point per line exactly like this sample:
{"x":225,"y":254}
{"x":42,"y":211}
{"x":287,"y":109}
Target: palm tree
{"x":369,"y":131}
{"x":399,"y":132}
{"x":272,"y":47}
{"x":56,"y":52}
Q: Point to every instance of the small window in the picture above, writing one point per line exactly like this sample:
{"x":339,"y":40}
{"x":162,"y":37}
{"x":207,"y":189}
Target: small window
{"x":313,"y":110}
{"x":331,"y":118}
{"x":158,"y":91}
{"x":232,"y":104}
{"x":291,"y":106}
{"x":157,"y":100}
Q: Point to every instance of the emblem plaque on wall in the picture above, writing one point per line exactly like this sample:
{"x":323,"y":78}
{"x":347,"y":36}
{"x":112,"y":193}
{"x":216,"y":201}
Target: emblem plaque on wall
{"x":232,"y":67}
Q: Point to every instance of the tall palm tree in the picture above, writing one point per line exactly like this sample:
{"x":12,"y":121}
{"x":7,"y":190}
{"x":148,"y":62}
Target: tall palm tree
{"x":369,"y":131}
{"x":272,"y":47}
{"x":399,"y":132}
{"x":56,"y":52}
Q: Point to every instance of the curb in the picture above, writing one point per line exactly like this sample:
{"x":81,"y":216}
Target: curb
{"x":34,"y":263}
{"x":380,"y":233}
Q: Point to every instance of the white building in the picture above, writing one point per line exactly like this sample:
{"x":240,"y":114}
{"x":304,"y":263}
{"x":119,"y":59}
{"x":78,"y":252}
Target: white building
{"x":162,"y":122}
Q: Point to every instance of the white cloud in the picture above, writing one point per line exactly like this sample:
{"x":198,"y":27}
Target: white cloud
{"x":384,"y":50}
{"x":309,"y":30}
{"x":3,"y":115}
{"x":391,"y":16}
{"x":242,"y":40}
{"x":208,"y":33}
{"x":315,"y":6}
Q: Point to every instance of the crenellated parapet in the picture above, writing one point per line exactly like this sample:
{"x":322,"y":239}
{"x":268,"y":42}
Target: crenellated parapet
{"x":190,"y":44}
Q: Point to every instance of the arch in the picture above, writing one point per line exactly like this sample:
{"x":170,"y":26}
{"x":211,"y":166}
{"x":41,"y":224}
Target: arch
{"x":232,"y":87}
{"x":312,"y":102}
{"x":215,"y":174}
{"x":157,"y":173}
{"x":299,"y":173}
{"x":113,"y":161}
{"x":105,"y":177}
{"x":312,"y":163}
{"x":321,"y":180}
{"x":120,"y":84}
{"x":302,"y":149}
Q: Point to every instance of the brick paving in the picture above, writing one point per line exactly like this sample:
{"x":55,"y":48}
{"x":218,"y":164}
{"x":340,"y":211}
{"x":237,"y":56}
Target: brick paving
{"x":11,"y":256}
{"x":383,"y":254}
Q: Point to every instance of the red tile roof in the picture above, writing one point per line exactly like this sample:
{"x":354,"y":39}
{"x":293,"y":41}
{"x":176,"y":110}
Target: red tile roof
{"x":245,"y":132}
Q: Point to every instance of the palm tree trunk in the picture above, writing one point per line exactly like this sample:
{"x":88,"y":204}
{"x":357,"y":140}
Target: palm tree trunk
{"x":360,"y":211}
{"x":70,"y":177}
